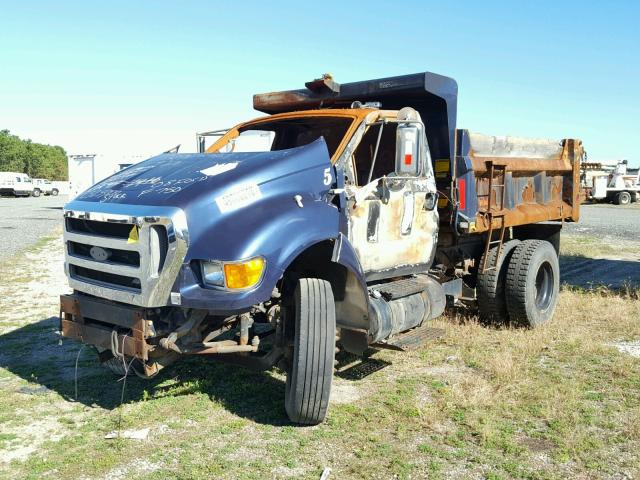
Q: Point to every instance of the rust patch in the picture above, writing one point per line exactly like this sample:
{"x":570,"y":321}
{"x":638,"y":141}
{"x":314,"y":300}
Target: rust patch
{"x":528,"y":193}
{"x":556,"y":189}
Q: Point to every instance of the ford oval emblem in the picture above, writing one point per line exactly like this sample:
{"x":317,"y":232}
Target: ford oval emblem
{"x":99,"y":254}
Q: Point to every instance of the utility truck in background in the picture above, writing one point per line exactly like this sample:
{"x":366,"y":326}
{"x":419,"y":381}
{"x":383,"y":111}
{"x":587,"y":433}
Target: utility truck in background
{"x":615,"y":183}
{"x":348,"y":217}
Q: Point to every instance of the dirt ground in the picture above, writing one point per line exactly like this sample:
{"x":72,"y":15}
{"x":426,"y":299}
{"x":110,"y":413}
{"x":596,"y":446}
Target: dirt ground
{"x":562,"y":401}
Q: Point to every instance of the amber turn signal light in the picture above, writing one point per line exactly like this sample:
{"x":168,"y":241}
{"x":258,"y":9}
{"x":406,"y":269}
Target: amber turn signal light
{"x":244,"y":274}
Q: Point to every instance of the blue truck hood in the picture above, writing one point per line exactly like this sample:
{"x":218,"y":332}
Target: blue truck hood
{"x":179,"y":179}
{"x":237,"y":206}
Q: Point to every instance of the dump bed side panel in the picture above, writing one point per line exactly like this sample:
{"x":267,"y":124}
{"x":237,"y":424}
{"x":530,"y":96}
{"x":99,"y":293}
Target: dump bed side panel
{"x":533,"y":180}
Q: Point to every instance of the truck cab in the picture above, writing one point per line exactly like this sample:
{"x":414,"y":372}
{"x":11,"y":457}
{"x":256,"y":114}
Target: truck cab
{"x":388,"y":185}
{"x":346,"y":217}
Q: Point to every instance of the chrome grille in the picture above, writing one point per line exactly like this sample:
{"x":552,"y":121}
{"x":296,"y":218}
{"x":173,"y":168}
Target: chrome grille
{"x":125,"y":258}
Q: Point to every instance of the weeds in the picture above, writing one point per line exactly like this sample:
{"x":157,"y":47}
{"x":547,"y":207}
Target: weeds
{"x":484,"y":401}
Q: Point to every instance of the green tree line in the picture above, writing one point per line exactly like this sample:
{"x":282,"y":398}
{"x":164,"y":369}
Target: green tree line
{"x":34,"y":159}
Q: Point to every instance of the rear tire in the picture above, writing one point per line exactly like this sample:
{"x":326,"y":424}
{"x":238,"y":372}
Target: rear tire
{"x":36,"y":193}
{"x":622,"y":198}
{"x":492,"y":303}
{"x":54,"y":192}
{"x":532,"y":283}
{"x":310,"y":373}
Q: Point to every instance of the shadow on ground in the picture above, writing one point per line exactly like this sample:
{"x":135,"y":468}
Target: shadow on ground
{"x":587,"y":272}
{"x":33,"y":354}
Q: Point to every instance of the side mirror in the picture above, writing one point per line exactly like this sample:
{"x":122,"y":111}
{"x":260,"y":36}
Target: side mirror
{"x":407,"y":150}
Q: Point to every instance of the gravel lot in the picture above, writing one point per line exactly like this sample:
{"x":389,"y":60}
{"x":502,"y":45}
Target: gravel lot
{"x":603,"y":248}
{"x":24,"y":220}
{"x":607,"y":220}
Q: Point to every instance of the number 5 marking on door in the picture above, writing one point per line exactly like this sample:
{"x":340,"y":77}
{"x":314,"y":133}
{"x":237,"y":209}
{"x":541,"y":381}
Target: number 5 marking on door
{"x":327,"y":176}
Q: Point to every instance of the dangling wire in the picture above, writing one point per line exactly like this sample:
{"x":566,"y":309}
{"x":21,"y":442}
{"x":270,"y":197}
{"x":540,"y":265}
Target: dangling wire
{"x":75,"y":376}
{"x":124,"y":383}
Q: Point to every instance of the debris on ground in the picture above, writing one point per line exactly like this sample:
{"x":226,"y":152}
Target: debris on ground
{"x":630,"y":348}
{"x":141,"y":434}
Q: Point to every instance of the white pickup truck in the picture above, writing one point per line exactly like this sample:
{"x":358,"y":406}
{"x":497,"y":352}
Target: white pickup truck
{"x":44,"y":187}
{"x":18,"y":184}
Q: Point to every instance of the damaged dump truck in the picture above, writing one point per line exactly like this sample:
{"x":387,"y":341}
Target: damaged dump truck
{"x":349,"y":217}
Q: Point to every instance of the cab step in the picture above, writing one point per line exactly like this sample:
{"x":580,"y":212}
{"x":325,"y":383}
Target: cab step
{"x":412,"y":339}
{"x":401,"y":288}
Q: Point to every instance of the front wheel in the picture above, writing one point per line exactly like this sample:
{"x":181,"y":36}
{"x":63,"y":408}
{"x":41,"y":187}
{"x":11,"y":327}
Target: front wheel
{"x":54,"y":192}
{"x":36,"y":193}
{"x":310,"y":372}
{"x":533,"y":283}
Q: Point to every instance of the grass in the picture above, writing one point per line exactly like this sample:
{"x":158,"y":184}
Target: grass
{"x":593,"y":247}
{"x":482,"y":402}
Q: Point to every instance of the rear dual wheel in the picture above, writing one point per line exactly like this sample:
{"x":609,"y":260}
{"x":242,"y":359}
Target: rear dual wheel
{"x":521,"y":286}
{"x":492,"y":304}
{"x":532,"y":283}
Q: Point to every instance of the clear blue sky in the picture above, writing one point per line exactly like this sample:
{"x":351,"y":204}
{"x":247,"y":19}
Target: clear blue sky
{"x":139,"y":77}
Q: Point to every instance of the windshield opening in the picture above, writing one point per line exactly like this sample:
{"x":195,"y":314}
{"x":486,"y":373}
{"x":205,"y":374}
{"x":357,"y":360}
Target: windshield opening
{"x":288,"y":133}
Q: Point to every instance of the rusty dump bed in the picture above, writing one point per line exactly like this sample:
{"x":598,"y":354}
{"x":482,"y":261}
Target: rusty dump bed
{"x":512,"y":180}
{"x":482,"y":179}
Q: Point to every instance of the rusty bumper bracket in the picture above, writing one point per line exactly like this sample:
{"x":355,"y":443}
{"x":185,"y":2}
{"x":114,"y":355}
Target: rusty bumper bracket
{"x":75,"y":323}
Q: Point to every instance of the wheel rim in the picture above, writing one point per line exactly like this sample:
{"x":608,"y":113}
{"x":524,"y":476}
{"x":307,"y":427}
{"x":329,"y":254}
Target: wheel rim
{"x":544,"y":286}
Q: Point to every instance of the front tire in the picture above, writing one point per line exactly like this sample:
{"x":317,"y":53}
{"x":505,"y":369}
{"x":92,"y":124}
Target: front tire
{"x":36,"y":193}
{"x":533,"y":283}
{"x":54,"y":192}
{"x":310,"y":372}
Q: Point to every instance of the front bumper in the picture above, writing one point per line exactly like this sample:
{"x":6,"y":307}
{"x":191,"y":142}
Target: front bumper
{"x":87,"y":320}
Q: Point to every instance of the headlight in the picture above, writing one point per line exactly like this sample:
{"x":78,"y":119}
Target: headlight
{"x":233,"y":275}
{"x":212,"y":273}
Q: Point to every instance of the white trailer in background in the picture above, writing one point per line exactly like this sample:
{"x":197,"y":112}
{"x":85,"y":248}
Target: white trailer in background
{"x":619,"y":186}
{"x":15,"y":183}
{"x":86,"y":170}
